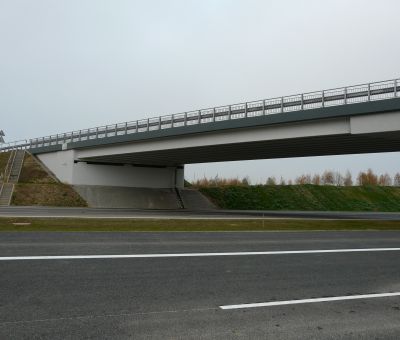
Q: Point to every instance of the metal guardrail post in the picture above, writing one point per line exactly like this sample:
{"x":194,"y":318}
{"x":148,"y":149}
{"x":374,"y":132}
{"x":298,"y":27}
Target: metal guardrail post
{"x":116,"y":129}
{"x":199,"y":117}
{"x":137,"y":126}
{"x":369,"y":92}
{"x":245,"y":110}
{"x":213,"y":115}
{"x":395,"y":88}
{"x":345,"y":95}
{"x":302,"y":101}
{"x":126,"y":128}
{"x":229,"y":112}
{"x":281,"y":104}
{"x":159,"y":122}
{"x":185,"y":119}
{"x":322,"y":99}
{"x":263,"y":109}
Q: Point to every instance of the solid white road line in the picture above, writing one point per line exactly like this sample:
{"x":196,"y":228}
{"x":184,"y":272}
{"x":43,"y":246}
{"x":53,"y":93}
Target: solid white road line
{"x":295,"y":302}
{"x":248,"y":253}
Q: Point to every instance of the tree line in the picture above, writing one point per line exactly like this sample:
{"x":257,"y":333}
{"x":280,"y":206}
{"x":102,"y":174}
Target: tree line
{"x":328,"y":177}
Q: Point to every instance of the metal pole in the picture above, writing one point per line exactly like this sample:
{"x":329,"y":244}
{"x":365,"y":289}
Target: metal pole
{"x":395,"y":88}
{"x":322,"y":99}
{"x":345,"y":95}
{"x":369,"y":92}
{"x":159,"y":122}
{"x":263,"y":109}
{"x":229,"y":112}
{"x":116,"y":129}
{"x":302,"y":101}
{"x":126,"y":128}
{"x":245,"y":110}
{"x":281,"y":104}
{"x":80,"y":131}
{"x":213,"y":118}
{"x":185,"y":119}
{"x":199,"y":118}
{"x":148,"y":124}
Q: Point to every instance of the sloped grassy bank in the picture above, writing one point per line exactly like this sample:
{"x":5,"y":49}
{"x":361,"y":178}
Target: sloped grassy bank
{"x":305,"y":197}
{"x":37,"y":187}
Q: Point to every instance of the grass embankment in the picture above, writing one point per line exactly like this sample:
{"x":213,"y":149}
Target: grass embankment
{"x":141,"y":225}
{"x":305,"y":197}
{"x":3,"y":161}
{"x":37,"y":187}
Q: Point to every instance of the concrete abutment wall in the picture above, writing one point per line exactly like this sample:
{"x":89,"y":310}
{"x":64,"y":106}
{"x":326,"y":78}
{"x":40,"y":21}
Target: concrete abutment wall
{"x":68,"y":169}
{"x":117,"y":186}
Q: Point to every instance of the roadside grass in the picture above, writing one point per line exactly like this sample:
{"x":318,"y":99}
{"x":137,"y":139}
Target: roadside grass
{"x":173,"y":225}
{"x":3,"y":160}
{"x":305,"y":197}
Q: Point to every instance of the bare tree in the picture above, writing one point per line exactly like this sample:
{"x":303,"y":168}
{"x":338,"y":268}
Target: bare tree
{"x":396,"y":180}
{"x":328,"y":177}
{"x":367,"y":178}
{"x":303,"y":179}
{"x":316,"y":180}
{"x":348,"y":180}
{"x":338,"y":179}
{"x":385,"y":180}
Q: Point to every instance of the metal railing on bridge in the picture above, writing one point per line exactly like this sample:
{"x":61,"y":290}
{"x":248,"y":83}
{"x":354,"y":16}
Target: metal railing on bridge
{"x":305,"y":101}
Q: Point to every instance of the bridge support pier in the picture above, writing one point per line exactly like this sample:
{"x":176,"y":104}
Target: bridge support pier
{"x":117,"y":185}
{"x":68,"y":169}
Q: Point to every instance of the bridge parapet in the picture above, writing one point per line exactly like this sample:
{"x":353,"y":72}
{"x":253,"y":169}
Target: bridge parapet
{"x":363,"y":93}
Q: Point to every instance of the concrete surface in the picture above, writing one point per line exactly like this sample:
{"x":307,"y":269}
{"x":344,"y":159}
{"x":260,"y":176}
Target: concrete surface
{"x":195,"y":200}
{"x":179,"y":298}
{"x":15,"y":211}
{"x":66,"y":168}
{"x":125,"y":197}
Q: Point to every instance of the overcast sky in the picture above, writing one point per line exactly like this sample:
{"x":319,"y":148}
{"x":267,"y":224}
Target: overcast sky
{"x":72,"y":64}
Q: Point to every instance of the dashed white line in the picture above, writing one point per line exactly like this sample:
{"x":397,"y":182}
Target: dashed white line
{"x":296,"y":302}
{"x":248,"y":253}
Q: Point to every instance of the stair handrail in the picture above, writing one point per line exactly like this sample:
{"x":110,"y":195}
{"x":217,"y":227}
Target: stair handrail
{"x":22,"y":163}
{"x":8,"y":168}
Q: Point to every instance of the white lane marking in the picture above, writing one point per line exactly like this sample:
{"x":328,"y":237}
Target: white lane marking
{"x":295,"y":302}
{"x":248,"y":253}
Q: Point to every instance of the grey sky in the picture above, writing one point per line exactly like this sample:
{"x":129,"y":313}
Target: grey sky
{"x":71,"y":64}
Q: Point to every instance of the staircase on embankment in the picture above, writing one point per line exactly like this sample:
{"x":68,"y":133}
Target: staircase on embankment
{"x":11,"y":176}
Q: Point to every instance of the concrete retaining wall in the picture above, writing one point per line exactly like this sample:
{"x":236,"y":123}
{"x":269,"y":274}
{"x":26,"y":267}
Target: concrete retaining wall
{"x":123,"y":197}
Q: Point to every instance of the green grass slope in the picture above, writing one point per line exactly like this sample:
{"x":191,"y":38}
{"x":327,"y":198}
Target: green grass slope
{"x":305,"y":197}
{"x":3,"y":161}
{"x":36,"y":187}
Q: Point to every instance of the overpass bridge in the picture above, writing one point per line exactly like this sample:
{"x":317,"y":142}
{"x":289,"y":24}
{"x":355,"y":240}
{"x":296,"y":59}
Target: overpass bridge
{"x":151,"y":153}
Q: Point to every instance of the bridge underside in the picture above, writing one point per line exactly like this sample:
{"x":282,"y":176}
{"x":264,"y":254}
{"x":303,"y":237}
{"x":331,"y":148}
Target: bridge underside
{"x":285,"y":148}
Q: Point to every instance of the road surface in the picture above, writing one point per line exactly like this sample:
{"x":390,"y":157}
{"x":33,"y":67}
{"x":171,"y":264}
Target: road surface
{"x":188,"y":214}
{"x":184,"y":297}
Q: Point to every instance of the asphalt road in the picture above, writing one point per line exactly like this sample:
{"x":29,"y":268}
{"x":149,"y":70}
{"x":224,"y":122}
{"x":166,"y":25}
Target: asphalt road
{"x":180,"y":298}
{"x":188,"y":214}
